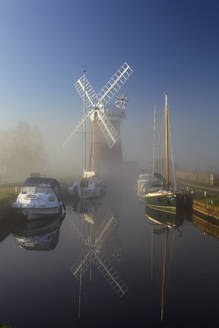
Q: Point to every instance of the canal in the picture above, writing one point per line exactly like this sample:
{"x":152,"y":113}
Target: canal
{"x":109,"y":263}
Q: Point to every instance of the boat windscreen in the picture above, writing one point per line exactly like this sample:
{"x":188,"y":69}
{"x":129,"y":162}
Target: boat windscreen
{"x":44,"y":189}
{"x":25,"y":189}
{"x":38,"y":189}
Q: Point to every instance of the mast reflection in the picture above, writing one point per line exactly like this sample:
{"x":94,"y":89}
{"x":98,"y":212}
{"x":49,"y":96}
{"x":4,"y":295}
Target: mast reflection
{"x":162,"y":224}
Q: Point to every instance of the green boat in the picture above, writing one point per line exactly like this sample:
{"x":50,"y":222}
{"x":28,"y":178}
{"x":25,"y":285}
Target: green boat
{"x":166,"y":219}
{"x":164,"y":200}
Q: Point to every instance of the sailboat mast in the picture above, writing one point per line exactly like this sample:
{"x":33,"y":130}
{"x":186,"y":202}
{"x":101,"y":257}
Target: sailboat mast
{"x":166,"y":142}
{"x":154,"y":140}
{"x":84,"y":125}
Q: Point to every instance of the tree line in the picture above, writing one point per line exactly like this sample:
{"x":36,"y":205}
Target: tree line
{"x":22,"y":151}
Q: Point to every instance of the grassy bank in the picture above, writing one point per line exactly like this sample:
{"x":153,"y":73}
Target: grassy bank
{"x":7,"y":196}
{"x":201,"y":192}
{"x":213,"y":200}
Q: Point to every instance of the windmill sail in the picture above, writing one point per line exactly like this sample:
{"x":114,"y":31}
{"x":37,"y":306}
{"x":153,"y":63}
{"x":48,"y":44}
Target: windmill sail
{"x":114,"y":84}
{"x":92,"y":255}
{"x":107,"y":226}
{"x":91,"y":96}
{"x":111,"y":275}
{"x":108,"y":130}
{"x":77,"y":127}
{"x":81,"y":265}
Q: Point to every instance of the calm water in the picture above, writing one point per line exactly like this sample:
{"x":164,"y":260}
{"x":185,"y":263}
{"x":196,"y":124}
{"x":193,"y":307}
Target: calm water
{"x":103,"y":264}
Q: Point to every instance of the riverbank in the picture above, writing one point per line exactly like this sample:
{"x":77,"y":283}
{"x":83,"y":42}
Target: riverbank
{"x":205,"y":198}
{"x":7,"y":197}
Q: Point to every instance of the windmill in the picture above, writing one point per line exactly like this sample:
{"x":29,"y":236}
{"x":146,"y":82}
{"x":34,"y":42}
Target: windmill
{"x":100,"y":116}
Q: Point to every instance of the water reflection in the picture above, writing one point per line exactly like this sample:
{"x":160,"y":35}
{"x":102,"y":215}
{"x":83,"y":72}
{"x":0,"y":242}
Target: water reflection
{"x":104,"y":241}
{"x":96,"y":224}
{"x":209,"y":226}
{"x":9,"y":224}
{"x":39,"y":235}
{"x":162,"y":224}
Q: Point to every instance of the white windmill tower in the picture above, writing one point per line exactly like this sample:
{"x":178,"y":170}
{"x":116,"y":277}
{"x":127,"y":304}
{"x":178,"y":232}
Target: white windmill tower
{"x":105,"y":120}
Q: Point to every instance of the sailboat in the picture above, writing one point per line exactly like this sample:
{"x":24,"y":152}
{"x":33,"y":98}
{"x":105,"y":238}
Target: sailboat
{"x":166,"y":199}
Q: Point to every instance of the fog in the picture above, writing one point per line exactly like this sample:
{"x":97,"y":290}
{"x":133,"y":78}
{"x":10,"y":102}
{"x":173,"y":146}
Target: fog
{"x":21,"y":151}
{"x":26,"y":147}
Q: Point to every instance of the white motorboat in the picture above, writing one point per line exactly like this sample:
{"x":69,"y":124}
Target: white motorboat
{"x":90,"y":186}
{"x":39,"y":197}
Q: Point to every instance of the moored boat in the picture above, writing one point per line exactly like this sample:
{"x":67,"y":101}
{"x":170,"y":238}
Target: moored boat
{"x":166,"y":199}
{"x":39,"y":197}
{"x":90,"y":186}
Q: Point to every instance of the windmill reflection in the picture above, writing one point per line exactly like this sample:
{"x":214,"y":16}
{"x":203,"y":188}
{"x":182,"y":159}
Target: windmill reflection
{"x":95,"y":224}
{"x":162,"y":224}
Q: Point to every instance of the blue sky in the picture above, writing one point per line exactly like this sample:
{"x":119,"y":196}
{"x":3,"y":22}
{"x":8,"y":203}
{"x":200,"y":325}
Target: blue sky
{"x":171,"y":45}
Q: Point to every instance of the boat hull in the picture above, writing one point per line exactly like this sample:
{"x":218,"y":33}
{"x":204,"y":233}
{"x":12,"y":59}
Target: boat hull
{"x":91,"y":190}
{"x":163,"y":218}
{"x":163,"y":202}
{"x":37,"y":213}
{"x":169,"y":202}
{"x":160,"y":217}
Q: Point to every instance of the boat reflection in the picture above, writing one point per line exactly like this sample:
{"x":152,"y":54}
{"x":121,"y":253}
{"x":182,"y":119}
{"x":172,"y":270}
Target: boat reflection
{"x":162,"y":224}
{"x":96,"y":226}
{"x":8,"y":225}
{"x":39,"y":235}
